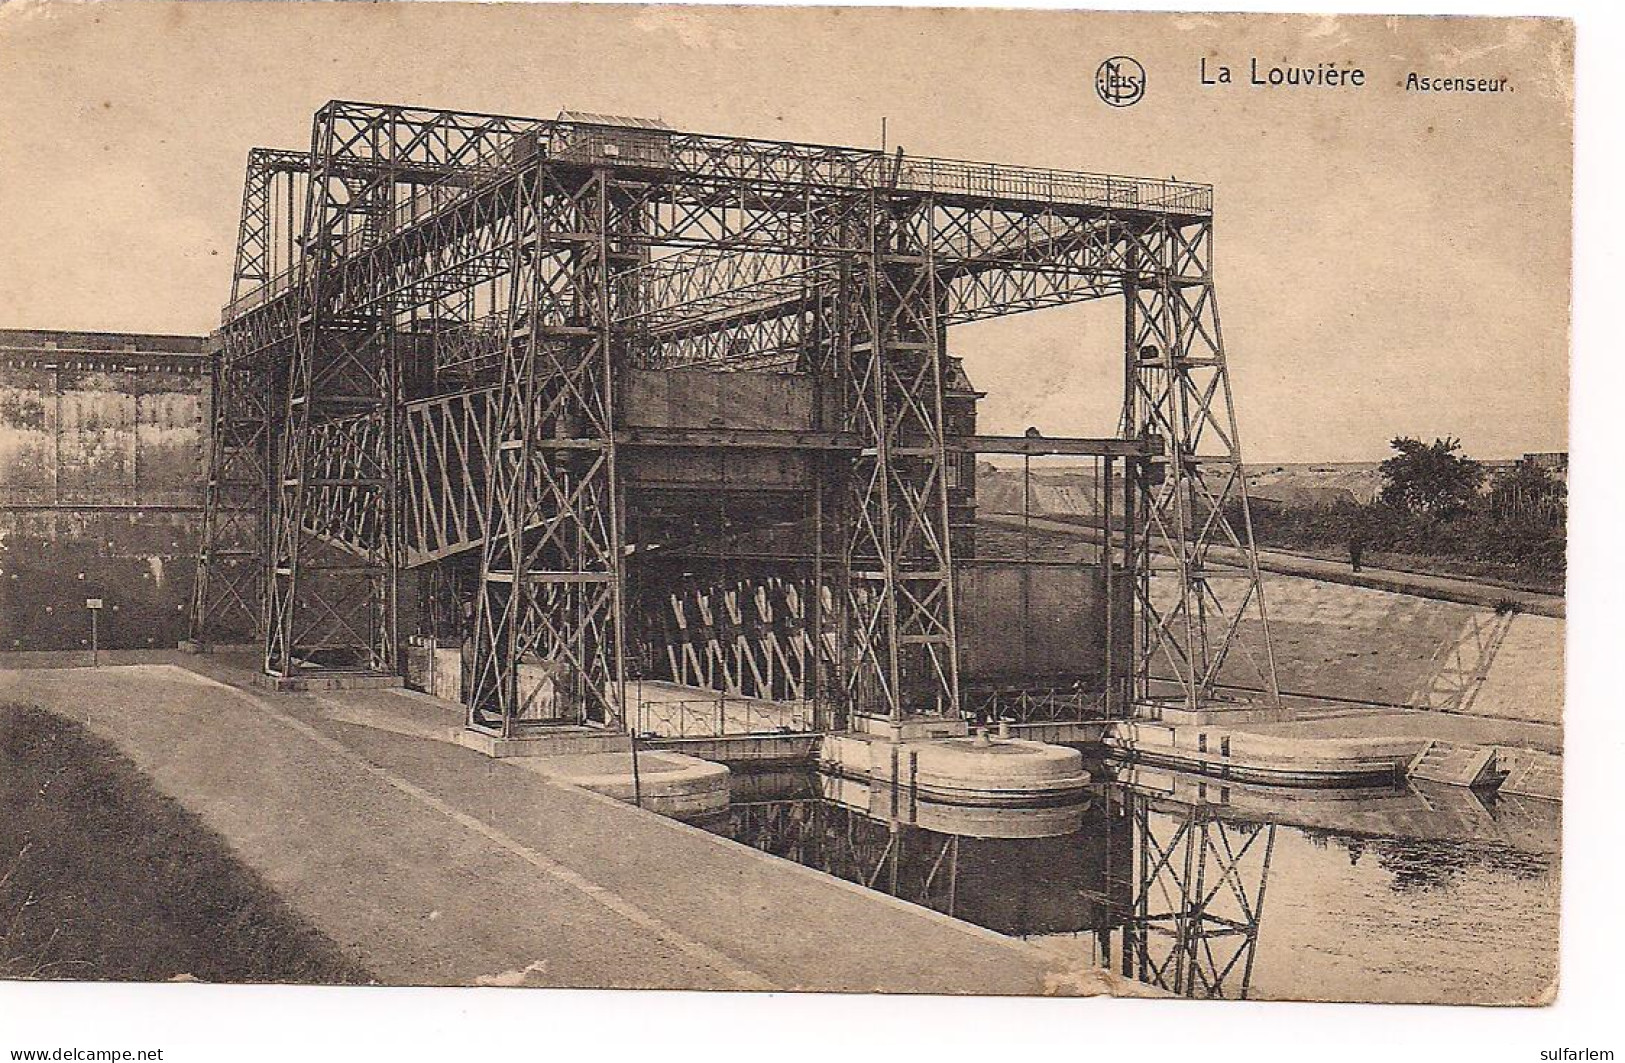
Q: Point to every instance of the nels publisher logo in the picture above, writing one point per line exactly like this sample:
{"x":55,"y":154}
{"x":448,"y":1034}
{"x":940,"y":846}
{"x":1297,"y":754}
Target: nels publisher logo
{"x":1120,"y":81}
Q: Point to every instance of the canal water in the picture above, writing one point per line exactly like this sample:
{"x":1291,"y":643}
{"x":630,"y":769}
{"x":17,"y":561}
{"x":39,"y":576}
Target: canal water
{"x":1406,"y":894}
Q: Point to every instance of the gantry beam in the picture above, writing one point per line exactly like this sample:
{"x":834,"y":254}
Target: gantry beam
{"x":708,"y":193}
{"x":449,"y":448}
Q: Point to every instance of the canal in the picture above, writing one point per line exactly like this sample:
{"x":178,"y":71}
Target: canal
{"x":1403,"y":894}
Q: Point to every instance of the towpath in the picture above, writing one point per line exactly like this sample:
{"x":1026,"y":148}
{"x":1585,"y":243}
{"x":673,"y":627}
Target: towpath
{"x":1443,"y":588}
{"x":431,"y":864}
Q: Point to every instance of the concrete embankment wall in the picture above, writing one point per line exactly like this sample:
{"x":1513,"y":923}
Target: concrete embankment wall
{"x":1333,"y":640}
{"x":102,"y":479}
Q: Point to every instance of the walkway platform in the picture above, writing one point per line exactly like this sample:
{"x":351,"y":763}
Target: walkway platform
{"x":1353,"y":722}
{"x":430,"y":864}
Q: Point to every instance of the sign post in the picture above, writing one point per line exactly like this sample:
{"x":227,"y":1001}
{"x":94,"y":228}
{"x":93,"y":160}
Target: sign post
{"x":95,"y":607}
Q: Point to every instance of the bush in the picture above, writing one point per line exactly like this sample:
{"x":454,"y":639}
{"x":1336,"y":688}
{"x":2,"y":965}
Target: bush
{"x":1525,"y":542}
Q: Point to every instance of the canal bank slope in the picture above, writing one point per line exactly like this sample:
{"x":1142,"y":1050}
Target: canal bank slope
{"x":1392,"y":639}
{"x":430,"y":864}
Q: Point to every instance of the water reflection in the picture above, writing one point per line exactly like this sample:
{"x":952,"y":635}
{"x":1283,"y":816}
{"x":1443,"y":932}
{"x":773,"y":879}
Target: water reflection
{"x":1199,"y":892}
{"x":1165,"y":877}
{"x":910,"y":848}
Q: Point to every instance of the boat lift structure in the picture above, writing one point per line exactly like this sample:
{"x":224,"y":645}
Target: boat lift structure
{"x":433,"y":313}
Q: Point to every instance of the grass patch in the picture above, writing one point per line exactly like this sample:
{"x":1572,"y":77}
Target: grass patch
{"x":104,"y":878}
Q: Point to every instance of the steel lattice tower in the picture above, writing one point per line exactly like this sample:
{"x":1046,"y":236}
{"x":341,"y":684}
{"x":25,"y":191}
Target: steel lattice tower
{"x":1194,"y":494}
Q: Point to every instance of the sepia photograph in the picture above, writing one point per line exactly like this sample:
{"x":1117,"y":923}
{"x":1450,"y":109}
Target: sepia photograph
{"x":549,"y":496}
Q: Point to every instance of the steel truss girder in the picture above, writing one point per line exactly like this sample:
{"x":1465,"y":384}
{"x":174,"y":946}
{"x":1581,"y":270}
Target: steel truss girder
{"x":771,"y":340}
{"x":1194,"y":494}
{"x":448,"y":451}
{"x":349,"y":462}
{"x":751,"y":309}
{"x":990,"y":250}
{"x":685,"y":291}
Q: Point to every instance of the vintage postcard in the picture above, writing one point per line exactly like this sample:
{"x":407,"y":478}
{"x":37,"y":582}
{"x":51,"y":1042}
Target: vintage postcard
{"x":761,"y":498}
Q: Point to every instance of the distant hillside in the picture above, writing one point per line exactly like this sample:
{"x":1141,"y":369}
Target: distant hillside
{"x":1058,"y":492}
{"x":1315,"y":484}
{"x":1070,"y":491}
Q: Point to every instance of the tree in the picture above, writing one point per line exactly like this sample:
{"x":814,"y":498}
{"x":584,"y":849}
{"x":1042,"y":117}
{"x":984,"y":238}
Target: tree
{"x":1528,"y":492}
{"x":1430,"y":480}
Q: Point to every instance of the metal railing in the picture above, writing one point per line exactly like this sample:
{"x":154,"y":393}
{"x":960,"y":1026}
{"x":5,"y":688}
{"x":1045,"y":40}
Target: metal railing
{"x":1038,"y":705}
{"x":955,"y":176}
{"x":769,"y":162}
{"x":722,"y":716}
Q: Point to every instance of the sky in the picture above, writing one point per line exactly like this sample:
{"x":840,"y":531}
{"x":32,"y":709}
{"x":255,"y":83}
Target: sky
{"x":1387,"y":262}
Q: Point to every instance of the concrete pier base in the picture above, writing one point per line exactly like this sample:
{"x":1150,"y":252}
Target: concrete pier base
{"x":283,"y":684}
{"x":1274,"y":759}
{"x":671,"y":784}
{"x":969,"y":771}
{"x":552,"y":742}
